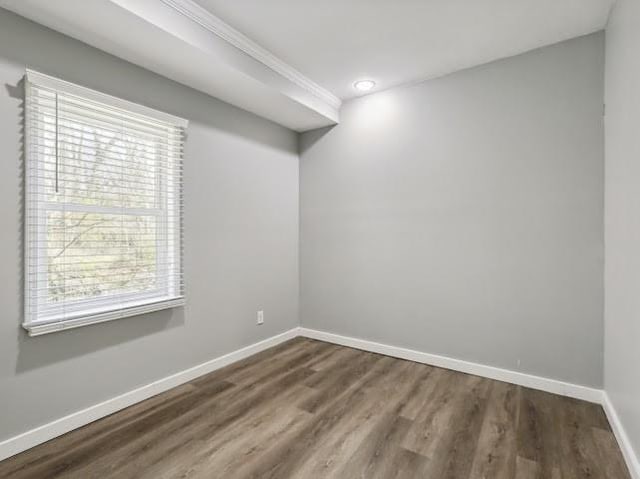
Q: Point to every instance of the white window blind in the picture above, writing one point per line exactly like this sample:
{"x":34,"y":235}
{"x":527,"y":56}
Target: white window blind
{"x":103,"y":215}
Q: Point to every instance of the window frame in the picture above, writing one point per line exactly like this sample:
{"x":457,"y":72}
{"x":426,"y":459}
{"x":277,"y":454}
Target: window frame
{"x":91,"y":311}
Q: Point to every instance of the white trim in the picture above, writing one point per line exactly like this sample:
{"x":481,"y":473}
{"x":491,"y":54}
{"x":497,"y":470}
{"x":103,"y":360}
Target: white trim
{"x":535,"y":382}
{"x":554,"y":386}
{"x":215,"y":25}
{"x":629,"y":454}
{"x":137,"y":307}
{"x":81,"y":418}
{"x":69,"y":88}
{"x":41,"y":316}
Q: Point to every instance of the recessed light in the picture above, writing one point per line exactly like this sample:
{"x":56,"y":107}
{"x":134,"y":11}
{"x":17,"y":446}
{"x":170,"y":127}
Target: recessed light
{"x":364,"y":85}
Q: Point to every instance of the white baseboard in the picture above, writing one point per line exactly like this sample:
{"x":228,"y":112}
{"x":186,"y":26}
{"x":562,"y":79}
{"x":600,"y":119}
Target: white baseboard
{"x":522,"y":379}
{"x":629,"y":454}
{"x":61,"y":426}
{"x":535,"y":382}
{"x":78,"y":419}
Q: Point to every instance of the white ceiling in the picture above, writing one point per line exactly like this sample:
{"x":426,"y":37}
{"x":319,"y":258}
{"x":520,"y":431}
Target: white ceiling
{"x":335,"y":42}
{"x":182,"y":41}
{"x":292,"y":61}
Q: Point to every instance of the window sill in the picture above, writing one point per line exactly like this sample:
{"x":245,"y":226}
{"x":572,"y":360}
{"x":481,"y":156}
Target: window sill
{"x":46,"y":327}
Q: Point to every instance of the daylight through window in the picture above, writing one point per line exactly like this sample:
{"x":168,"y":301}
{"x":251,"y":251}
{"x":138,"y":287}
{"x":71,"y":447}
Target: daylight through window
{"x":103,"y":236}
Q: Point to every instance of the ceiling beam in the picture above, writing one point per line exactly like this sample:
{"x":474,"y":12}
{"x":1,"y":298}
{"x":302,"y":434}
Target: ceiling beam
{"x":186,"y":43}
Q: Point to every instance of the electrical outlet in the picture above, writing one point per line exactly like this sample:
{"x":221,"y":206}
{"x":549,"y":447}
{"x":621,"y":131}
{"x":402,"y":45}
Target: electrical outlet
{"x":260,"y":317}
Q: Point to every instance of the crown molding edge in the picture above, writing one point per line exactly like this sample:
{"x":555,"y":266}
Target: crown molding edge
{"x":215,"y":25}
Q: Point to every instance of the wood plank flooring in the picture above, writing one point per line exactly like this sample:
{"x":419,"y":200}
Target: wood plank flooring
{"x":308,"y":409}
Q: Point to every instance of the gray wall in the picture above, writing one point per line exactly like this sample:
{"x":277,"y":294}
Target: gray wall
{"x":622,"y":216}
{"x":460,"y":216}
{"x":241,"y":240}
{"x":463,"y":216}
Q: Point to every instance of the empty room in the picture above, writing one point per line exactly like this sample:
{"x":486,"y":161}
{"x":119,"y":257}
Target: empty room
{"x":349,"y":239}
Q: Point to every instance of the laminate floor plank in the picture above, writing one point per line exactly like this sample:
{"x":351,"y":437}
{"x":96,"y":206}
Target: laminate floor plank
{"x":432,"y":425}
{"x":212,"y":418}
{"x":377,"y":454}
{"x":449,"y":435}
{"x":386,"y":396}
{"x":300,"y":448}
{"x":539,"y":431}
{"x":330,"y":385}
{"x":609,"y":454}
{"x":278,"y":364}
{"x":255,"y":361}
{"x":338,"y":355}
{"x":495,"y":456}
{"x":43,"y":458}
{"x":309,"y":409}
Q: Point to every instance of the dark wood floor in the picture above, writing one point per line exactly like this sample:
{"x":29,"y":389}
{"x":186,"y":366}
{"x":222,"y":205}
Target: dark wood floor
{"x":307,"y":409}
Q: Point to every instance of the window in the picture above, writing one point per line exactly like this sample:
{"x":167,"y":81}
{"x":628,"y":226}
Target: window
{"x":103,"y":215}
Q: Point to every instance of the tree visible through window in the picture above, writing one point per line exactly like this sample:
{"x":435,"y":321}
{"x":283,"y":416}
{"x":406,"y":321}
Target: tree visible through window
{"x":104,"y":207}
